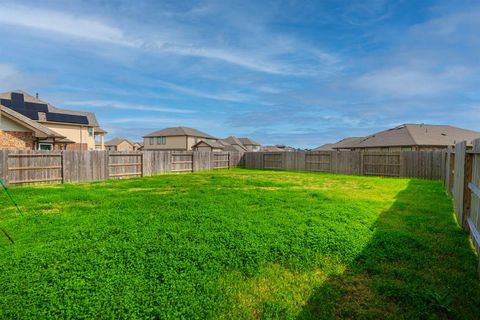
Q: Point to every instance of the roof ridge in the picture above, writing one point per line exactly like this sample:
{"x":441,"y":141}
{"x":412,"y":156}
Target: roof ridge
{"x":415,"y":142}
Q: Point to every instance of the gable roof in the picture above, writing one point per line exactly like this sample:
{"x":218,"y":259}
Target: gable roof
{"x":347,"y":143}
{"x":233,"y":140}
{"x":232,"y":147}
{"x":325,"y":147}
{"x":116,"y":142}
{"x":40,"y":130}
{"x":179,"y":131}
{"x":32,"y":107}
{"x":419,"y":135}
{"x":212,"y":144}
{"x":248,"y":142}
{"x":236,"y":144}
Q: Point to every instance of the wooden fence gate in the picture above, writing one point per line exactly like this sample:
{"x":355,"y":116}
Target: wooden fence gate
{"x":34,"y":167}
{"x":318,"y":162}
{"x":381,"y":164}
{"x":182,"y":162}
{"x":123,"y":165}
{"x":272,"y":161}
{"x":220,"y":160}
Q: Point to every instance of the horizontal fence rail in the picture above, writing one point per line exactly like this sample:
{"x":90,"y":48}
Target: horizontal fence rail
{"x":412,"y":164}
{"x":24,"y":167}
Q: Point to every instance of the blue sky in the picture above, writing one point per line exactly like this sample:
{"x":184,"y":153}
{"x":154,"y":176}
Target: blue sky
{"x":301,"y":73}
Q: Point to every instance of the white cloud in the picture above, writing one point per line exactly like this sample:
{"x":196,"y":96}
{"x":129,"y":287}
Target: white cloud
{"x":125,"y":106}
{"x":11,"y":78}
{"x":412,"y":81}
{"x":63,"y":23}
{"x":177,"y":40}
{"x":225,"y":96}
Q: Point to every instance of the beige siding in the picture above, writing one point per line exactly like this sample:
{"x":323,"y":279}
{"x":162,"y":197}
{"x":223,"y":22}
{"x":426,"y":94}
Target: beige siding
{"x":79,"y":134}
{"x":204,"y":148}
{"x":193,"y":140}
{"x":7,"y":124}
{"x":252,"y":148}
{"x":171,"y":143}
{"x":124,"y":146}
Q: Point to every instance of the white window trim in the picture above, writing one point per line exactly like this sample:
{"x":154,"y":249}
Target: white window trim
{"x":45,"y":144}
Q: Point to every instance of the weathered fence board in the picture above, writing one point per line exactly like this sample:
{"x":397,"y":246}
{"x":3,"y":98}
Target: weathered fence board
{"x":123,"y":165}
{"x":414,"y":164}
{"x":462,"y":179}
{"x":473,"y":220}
{"x":28,"y":167}
{"x":220,"y":160}
{"x":182,"y":161}
{"x":21,"y":167}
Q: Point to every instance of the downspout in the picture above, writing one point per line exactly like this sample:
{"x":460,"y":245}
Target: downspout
{"x":81,"y":138}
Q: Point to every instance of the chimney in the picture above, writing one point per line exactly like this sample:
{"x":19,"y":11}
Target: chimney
{"x":36,"y":95}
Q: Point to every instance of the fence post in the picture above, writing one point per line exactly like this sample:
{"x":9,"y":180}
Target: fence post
{"x":4,"y":166}
{"x":467,"y":195}
{"x":62,"y":164}
{"x":361,"y":163}
{"x":107,"y":164}
{"x":141,"y":164}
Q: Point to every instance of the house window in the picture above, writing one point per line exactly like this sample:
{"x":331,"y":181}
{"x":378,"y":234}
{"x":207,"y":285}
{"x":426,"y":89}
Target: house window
{"x":45,"y":146}
{"x":161,"y":140}
{"x":90,"y":131}
{"x":152,"y":140}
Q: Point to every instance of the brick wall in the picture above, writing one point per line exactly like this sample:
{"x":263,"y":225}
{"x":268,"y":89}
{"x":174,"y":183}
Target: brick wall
{"x":15,"y":140}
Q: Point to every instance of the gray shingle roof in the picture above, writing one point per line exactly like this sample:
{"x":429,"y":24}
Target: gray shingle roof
{"x":179,"y":131}
{"x":212,"y":144}
{"x":418,"y":135}
{"x":325,"y":147}
{"x":347,"y":143}
{"x":248,"y":142}
{"x":235,"y":143}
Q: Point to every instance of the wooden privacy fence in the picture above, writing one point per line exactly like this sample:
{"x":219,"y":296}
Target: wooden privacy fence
{"x":463,"y":183}
{"x":21,"y":167}
{"x":413,"y":164}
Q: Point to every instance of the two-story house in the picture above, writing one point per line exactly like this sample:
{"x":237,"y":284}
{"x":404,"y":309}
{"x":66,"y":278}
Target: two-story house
{"x":120,"y":144}
{"x":27,"y":123}
{"x":177,"y":138}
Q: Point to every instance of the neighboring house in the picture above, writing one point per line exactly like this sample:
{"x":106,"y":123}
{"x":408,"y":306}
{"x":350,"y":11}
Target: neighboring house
{"x":68,"y":129}
{"x":342,"y":145}
{"x":119,"y":144}
{"x":233,"y":144}
{"x":137,"y":146}
{"x":177,"y":138}
{"x":408,"y":137}
{"x":325,"y":147}
{"x":18,"y":132}
{"x":212,"y":146}
{"x":279,"y":147}
{"x":272,"y":149}
{"x":249,"y":144}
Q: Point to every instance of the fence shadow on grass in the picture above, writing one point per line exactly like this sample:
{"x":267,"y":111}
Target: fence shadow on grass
{"x":419,"y":265}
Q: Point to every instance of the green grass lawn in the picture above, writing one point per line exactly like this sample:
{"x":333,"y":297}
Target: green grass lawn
{"x":237,"y":244}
